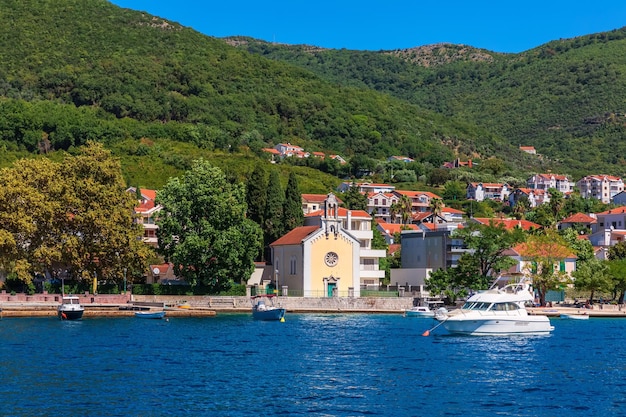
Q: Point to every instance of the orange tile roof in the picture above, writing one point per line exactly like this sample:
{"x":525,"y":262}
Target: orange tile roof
{"x":451,"y":210}
{"x":317,"y":198}
{"x":417,"y":193}
{"x":151,"y":194}
{"x":296,"y":236}
{"x":508,"y":223}
{"x":579,"y":218}
{"x":391,"y":228}
{"x":523,"y":249}
{"x":343,"y":212}
{"x":618,"y":210}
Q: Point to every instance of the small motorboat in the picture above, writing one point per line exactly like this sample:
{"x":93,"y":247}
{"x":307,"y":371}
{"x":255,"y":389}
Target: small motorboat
{"x":150,"y":314}
{"x":419,"y":311}
{"x":262,"y":311}
{"x":576,"y":316}
{"x":70,"y":308}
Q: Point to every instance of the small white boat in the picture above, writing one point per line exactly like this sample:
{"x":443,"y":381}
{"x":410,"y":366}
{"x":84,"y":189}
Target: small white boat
{"x":582,"y":316}
{"x":419,"y":311}
{"x":70,"y":308}
{"x":495,"y":312}
{"x":150,"y":314}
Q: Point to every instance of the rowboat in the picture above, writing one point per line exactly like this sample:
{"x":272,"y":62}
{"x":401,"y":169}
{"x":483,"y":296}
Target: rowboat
{"x":150,"y":314}
{"x":583,"y":316}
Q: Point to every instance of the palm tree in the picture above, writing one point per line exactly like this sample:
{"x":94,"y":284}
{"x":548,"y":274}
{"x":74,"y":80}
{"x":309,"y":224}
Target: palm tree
{"x":436,"y":206}
{"x":406,"y":208}
{"x":394,"y":210}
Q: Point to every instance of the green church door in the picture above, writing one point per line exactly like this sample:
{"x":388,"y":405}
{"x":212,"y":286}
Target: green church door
{"x":331,"y":288}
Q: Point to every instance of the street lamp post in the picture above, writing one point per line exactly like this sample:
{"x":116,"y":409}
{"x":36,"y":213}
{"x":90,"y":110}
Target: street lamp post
{"x":276,"y":290}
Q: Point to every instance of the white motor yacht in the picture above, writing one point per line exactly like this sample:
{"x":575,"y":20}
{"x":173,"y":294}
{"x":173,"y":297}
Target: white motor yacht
{"x":496,"y":312}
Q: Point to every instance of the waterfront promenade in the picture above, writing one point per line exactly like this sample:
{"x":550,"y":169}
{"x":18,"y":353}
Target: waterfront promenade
{"x":120,"y":305}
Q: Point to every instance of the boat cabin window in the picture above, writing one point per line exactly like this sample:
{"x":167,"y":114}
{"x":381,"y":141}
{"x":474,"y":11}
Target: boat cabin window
{"x":505,"y":306}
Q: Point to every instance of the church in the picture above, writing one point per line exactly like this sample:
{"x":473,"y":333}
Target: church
{"x":330,"y":256}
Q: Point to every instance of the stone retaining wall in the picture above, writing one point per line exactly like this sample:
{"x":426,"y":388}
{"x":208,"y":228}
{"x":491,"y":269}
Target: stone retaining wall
{"x":302,"y":304}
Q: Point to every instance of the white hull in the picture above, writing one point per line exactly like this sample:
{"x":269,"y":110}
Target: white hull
{"x":487,"y":326}
{"x":496,"y":312}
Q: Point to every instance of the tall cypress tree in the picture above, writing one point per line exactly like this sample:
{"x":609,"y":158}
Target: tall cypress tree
{"x":293,"y":216}
{"x":273,"y":227}
{"x":256,"y":195}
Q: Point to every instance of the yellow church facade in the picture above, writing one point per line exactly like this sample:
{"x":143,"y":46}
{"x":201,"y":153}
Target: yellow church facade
{"x":324,"y":259}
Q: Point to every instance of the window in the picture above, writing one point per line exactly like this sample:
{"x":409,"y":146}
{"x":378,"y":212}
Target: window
{"x":292,"y":266}
{"x":562,"y":266}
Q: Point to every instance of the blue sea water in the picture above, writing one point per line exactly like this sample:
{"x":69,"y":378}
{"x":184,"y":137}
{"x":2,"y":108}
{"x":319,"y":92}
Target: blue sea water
{"x":310,"y":365}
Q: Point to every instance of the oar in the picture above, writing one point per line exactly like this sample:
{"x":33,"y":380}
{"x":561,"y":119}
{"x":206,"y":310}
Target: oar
{"x":427,"y":332}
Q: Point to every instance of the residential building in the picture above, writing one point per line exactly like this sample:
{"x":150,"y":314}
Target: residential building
{"x":579,"y":219}
{"x":146,"y":214}
{"x":481,"y":191}
{"x":528,"y":149}
{"x":390,"y":230}
{"x":404,"y":159}
{"x":534,"y":197}
{"x":457,"y":163}
{"x":379,"y":205}
{"x":314,"y":202}
{"x":526,"y":267}
{"x":430,"y":250}
{"x":330,"y":255}
{"x":420,"y":200}
{"x":546,"y":181}
{"x":620,"y":198}
{"x":507,"y":223}
{"x":600,"y":187}
{"x":610,"y":227}
{"x":287,"y":149}
{"x":366,"y":187}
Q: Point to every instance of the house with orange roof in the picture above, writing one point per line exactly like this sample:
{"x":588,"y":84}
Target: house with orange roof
{"x":379,"y":205}
{"x":534,"y":197}
{"x":525,"y":267}
{"x":390,"y":230}
{"x":275,"y":154}
{"x":528,"y":149}
{"x":546,"y":181}
{"x":610,"y":227}
{"x":146,"y":213}
{"x":314,"y":202}
{"x":600,"y":187}
{"x":420,"y":200}
{"x":287,"y":149}
{"x":579,"y":219}
{"x":331,"y":255}
{"x":507,"y":223}
{"x":338,"y":158}
{"x":481,"y":191}
{"x":320,"y":155}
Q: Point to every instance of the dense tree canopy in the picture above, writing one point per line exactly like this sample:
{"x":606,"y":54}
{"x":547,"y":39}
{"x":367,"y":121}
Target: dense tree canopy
{"x":73,"y":216}
{"x":203,"y":229}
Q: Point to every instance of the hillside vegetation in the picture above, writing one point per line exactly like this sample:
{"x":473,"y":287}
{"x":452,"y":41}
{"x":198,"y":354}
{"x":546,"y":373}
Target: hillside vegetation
{"x":566,"y":97}
{"x":75,"y":70}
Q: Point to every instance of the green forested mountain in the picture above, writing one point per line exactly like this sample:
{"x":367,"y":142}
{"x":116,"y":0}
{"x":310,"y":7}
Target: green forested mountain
{"x":74,"y":70}
{"x":159,"y":95}
{"x":567,"y":98}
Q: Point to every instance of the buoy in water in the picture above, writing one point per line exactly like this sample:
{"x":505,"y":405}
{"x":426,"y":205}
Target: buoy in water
{"x":426,"y":333}
{"x":282,"y":319}
{"x":64,"y":316}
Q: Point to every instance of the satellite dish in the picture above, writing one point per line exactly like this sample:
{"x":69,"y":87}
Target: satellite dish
{"x":156,"y":271}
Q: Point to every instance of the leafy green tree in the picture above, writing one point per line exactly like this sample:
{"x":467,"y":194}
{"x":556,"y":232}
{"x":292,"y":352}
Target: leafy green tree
{"x":273,"y":226}
{"x":353,"y":199}
{"x":293,"y":215}
{"x":544,"y":251}
{"x":487,"y":244}
{"x":203,"y":229}
{"x":617,"y":271}
{"x":438,"y":176}
{"x":593,"y":275}
{"x":582,"y":247}
{"x":454,"y":190}
{"x":617,"y":251}
{"x":256,"y":194}
{"x":73,"y":216}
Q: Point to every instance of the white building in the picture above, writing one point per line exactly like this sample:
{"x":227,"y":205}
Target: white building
{"x":600,"y":187}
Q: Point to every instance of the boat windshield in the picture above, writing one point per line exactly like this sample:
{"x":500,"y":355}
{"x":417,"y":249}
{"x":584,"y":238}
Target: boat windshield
{"x":476,"y":305}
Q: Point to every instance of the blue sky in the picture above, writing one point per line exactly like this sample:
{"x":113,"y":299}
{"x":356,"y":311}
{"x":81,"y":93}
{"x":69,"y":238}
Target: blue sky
{"x":501,"y":26}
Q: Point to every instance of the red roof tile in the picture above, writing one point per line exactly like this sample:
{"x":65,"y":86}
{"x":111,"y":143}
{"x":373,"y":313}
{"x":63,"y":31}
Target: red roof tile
{"x":296,"y":236}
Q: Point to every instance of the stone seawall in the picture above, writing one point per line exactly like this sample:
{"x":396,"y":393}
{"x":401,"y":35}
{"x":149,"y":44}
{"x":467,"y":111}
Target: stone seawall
{"x":292,"y":304}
